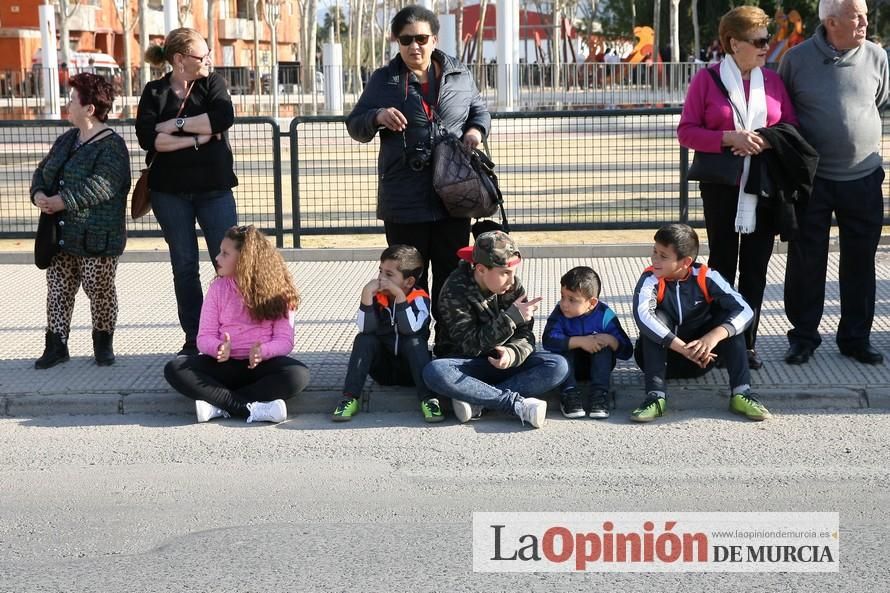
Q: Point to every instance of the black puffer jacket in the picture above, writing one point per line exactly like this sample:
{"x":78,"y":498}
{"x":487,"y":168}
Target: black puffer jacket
{"x":403,"y":195}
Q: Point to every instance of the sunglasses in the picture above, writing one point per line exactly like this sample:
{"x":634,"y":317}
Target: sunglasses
{"x":420,"y":39}
{"x":761,"y":43}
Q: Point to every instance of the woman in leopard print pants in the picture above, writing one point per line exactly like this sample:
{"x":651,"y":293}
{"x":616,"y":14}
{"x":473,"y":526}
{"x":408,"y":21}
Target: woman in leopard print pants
{"x":84,"y":180}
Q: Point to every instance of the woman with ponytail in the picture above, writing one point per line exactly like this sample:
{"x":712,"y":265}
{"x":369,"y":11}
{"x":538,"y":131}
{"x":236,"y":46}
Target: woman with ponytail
{"x":182,"y":123}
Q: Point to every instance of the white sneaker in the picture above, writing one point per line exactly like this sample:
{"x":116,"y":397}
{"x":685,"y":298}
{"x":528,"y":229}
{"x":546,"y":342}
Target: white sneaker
{"x":273,"y":411}
{"x":206,"y":411}
{"x":465,"y":412}
{"x":533,"y":411}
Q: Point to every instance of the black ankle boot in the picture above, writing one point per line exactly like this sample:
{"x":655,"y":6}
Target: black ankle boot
{"x":55,"y":351}
{"x":102,"y":348}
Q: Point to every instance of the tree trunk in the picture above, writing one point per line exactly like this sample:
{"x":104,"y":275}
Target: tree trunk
{"x":65,"y":33}
{"x":128,"y":62}
{"x":310,"y":52}
{"x":211,"y":29}
{"x":357,"y":36}
{"x":633,"y":14}
{"x":459,"y":32}
{"x":145,"y":69}
{"x":656,"y":26}
{"x":696,"y":30}
{"x":555,"y":50}
{"x":675,"y":31}
{"x":257,"y":81}
{"x":480,"y":60}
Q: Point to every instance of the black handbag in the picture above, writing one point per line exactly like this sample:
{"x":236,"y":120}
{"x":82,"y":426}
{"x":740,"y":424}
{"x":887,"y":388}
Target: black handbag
{"x":465,"y":181}
{"x":717,"y":167}
{"x":46,"y":241}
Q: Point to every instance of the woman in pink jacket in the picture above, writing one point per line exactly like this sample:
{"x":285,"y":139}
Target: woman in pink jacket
{"x":244,"y":337}
{"x":739,"y":235}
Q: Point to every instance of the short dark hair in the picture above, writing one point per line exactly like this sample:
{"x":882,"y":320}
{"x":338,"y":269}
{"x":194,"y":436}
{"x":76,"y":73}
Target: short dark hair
{"x":94,"y":90}
{"x":410,"y":15}
{"x":681,"y":237}
{"x":582,"y":279}
{"x":409,"y":259}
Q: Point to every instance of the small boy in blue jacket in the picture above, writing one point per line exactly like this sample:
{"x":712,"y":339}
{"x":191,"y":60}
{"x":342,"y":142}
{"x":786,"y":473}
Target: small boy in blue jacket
{"x":587,"y":333}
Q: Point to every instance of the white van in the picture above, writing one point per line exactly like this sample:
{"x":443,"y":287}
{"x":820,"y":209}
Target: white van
{"x":85,"y":61}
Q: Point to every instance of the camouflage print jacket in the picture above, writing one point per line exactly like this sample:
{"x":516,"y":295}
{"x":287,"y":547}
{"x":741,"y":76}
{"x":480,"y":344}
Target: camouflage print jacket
{"x":472,"y":323}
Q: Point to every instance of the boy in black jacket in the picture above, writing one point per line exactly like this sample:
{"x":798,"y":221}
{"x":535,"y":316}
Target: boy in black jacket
{"x":686,"y":314}
{"x":394,"y":328}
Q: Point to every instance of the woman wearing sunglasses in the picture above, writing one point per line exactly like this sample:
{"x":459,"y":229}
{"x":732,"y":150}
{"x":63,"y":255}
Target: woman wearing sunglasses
{"x":740,"y":236}
{"x":182,"y":124}
{"x":409,"y":102}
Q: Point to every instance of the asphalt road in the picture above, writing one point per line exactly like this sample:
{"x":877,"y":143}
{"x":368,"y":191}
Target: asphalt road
{"x":158,"y":503}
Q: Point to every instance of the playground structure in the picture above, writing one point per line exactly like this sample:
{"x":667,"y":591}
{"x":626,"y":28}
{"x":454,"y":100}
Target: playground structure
{"x":789,"y":33}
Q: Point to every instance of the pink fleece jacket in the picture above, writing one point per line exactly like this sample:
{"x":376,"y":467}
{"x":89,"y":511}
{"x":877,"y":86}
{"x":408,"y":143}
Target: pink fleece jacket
{"x":224,"y":312}
{"x":707,"y":113}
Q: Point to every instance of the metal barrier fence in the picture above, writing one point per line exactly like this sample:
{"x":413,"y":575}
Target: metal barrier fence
{"x":255,"y":142}
{"x":607,"y":169}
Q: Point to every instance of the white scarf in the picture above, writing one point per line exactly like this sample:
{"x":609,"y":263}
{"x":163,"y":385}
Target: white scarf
{"x":753,"y":114}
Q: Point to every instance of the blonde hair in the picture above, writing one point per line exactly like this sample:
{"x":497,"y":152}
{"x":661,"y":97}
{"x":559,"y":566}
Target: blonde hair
{"x":263,"y":278}
{"x":739,"y":21}
{"x":178,"y":41}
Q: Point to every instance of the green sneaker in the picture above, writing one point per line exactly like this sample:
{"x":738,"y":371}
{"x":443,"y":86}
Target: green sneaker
{"x":432,"y":412}
{"x":746,"y":404}
{"x":650,"y":409}
{"x":346,"y":409}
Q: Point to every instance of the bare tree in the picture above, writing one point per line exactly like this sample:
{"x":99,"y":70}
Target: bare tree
{"x":145,"y":70}
{"x":185,"y":10}
{"x":126,"y":29}
{"x":483,"y":8}
{"x":633,"y":14}
{"x":675,"y":30}
{"x":65,"y":31}
{"x":696,"y":30}
{"x":459,"y":26}
{"x":656,"y":25}
{"x":358,"y":40}
{"x":257,"y":86}
{"x":211,"y":23}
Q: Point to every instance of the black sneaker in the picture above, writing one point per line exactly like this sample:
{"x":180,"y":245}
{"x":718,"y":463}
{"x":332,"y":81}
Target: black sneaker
{"x":190,"y":348}
{"x":599,"y":404}
{"x":570,"y":403}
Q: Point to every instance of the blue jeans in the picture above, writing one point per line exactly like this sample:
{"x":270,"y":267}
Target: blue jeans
{"x":582,"y":364}
{"x":177,"y":213}
{"x":476,"y":382}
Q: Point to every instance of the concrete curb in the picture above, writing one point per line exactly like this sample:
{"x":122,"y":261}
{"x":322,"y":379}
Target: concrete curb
{"x":387,"y":400}
{"x":372,"y":253}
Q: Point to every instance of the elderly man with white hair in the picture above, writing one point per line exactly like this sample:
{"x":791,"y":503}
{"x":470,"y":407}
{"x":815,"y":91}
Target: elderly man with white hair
{"x":838,"y":81}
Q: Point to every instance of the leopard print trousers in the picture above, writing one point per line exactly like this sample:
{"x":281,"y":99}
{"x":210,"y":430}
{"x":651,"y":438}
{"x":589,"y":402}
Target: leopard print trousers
{"x":63,"y":279}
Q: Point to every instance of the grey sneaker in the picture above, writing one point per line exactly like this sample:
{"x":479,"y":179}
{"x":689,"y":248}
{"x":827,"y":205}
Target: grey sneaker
{"x":206,"y":411}
{"x":465,"y":412}
{"x":273,"y":411}
{"x":533,"y":411}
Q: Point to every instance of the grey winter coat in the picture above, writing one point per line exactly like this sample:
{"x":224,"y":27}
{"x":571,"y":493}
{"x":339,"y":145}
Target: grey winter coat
{"x":404,"y":195}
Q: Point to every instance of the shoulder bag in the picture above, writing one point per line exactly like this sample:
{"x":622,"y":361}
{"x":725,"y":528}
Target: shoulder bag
{"x":717,"y":167}
{"x":465,"y":181}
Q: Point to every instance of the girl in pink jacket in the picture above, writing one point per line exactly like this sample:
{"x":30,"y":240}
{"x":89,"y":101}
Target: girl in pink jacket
{"x":244,"y":337}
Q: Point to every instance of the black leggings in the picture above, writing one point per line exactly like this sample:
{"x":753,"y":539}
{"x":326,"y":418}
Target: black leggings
{"x":731,"y":251}
{"x":231,"y":385}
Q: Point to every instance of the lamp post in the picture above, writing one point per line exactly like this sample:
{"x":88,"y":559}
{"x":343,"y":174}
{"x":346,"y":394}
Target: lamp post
{"x":272,"y":11}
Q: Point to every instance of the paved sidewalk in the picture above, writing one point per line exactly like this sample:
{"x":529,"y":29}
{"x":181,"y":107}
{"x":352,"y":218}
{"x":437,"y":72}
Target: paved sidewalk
{"x":330,"y":281}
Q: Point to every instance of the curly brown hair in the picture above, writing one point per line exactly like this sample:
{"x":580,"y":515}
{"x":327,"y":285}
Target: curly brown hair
{"x":94,"y":90}
{"x":263,"y":278}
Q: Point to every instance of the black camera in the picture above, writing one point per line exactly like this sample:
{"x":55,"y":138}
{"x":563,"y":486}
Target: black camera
{"x":418,"y":157}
